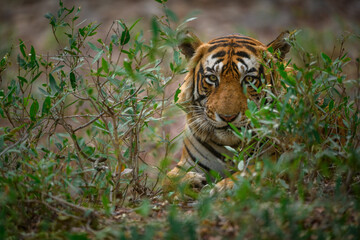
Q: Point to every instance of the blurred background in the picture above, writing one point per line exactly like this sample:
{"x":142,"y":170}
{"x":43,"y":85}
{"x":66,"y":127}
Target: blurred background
{"x":322,"y":23}
{"x":322,"y":20}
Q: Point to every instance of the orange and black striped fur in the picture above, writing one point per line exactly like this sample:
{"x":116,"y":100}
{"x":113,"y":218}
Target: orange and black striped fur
{"x":222,"y":75}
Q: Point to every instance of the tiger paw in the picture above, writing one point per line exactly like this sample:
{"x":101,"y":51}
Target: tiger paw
{"x":196,"y":180}
{"x":223,"y":185}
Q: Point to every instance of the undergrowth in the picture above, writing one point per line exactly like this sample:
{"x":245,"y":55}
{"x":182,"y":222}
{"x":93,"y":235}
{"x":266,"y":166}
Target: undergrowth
{"x":75,"y":123}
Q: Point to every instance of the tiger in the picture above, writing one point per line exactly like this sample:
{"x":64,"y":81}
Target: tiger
{"x":222,"y":75}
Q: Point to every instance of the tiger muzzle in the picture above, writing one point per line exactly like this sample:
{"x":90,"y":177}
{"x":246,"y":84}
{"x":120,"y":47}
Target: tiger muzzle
{"x":228,"y":117}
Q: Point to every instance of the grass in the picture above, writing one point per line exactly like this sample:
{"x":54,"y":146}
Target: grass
{"x":74,"y":125}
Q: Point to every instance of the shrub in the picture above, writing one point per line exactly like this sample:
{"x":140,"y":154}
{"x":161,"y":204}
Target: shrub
{"x":75,"y":122}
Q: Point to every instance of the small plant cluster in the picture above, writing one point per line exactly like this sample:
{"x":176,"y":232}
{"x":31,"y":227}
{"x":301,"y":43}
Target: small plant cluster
{"x":74,"y":126}
{"x":312,"y":128}
{"x":75,"y":122}
{"x":311,"y":123}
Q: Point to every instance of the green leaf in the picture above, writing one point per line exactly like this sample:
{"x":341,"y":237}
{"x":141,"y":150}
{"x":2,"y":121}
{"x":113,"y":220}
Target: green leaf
{"x":53,"y":85}
{"x":22,"y":48}
{"x":73,"y":80}
{"x":326,"y":58}
{"x":176,"y":96}
{"x":36,"y":77}
{"x":93,"y":47}
{"x":115,"y":81}
{"x":271,"y":50}
{"x":120,"y":22}
{"x":52,"y":18}
{"x":34,"y":110}
{"x":60,"y":101}
{"x":177,"y":58}
{"x":46,"y":106}
{"x":22,"y":80}
{"x":155,"y":27}
{"x":58,"y":67}
{"x":235,"y":129}
{"x":98,"y":56}
{"x":252,"y":106}
{"x":105,"y":65}
{"x":21,"y":62}
{"x":171,"y":15}
{"x":35,"y":178}
{"x":172,"y":67}
{"x":125,"y":36}
{"x":2,"y":113}
{"x":132,"y":26}
{"x":33,"y":55}
{"x":331,"y":105}
{"x":127,"y":66}
{"x":115,"y":39}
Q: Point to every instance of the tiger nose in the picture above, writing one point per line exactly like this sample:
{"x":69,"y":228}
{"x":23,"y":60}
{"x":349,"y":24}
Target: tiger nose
{"x":228,"y":118}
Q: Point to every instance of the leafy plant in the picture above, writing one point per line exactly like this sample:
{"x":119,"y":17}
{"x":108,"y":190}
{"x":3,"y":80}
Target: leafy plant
{"x":76,"y":121}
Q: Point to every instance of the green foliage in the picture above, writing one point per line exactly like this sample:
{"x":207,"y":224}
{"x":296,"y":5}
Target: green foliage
{"x":76,"y":122}
{"x":75,"y":125}
{"x":311,"y":129}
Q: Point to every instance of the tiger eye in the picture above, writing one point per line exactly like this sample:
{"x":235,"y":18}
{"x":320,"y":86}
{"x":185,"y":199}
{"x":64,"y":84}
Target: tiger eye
{"x":212,"y":78}
{"x":248,"y":78}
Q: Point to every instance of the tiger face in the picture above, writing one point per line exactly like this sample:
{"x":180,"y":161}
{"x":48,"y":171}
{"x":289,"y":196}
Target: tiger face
{"x":223,"y":75}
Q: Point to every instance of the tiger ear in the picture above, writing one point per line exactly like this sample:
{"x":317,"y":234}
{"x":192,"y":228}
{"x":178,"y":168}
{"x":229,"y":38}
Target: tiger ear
{"x":190,"y":42}
{"x":280,"y":44}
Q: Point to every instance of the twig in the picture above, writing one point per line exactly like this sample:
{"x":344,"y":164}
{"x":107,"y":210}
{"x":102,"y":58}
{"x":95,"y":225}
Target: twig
{"x":53,"y":208}
{"x":111,"y":27}
{"x":92,"y":212}
{"x":69,"y":129}
{"x":14,"y":145}
{"x":90,"y":122}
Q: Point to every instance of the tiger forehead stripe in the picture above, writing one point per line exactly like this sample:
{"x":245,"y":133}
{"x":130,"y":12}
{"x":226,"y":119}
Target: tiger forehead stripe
{"x":233,"y":45}
{"x":227,"y":44}
{"x":234,"y":37}
{"x":219,"y":54}
{"x":236,"y":41}
{"x":242,"y":54}
{"x":250,"y":48}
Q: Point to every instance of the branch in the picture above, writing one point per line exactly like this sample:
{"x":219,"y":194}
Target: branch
{"x":69,"y":129}
{"x":15,"y":144}
{"x":90,"y":122}
{"x":76,"y":207}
